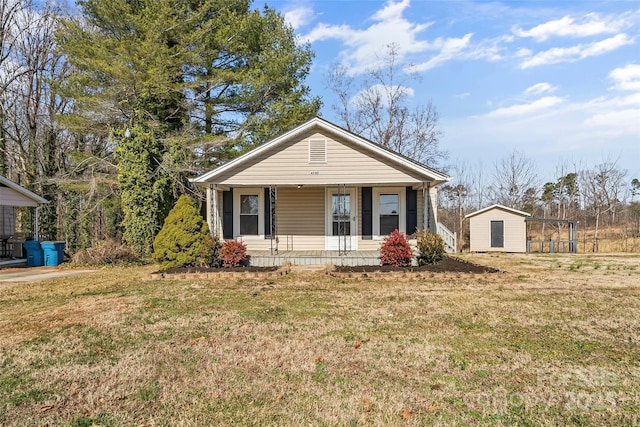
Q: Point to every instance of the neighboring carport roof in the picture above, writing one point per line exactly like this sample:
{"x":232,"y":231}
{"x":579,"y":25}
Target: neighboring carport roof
{"x":319,"y":123}
{"x":496,"y":206}
{"x":23,"y":191}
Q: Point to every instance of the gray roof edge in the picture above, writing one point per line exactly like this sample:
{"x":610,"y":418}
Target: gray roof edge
{"x":22,"y":190}
{"x":497,"y":206}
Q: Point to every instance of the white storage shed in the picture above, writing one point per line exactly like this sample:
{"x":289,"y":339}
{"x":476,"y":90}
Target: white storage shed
{"x":498,"y":228}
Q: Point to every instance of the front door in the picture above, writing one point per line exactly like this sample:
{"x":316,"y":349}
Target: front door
{"x":341,"y":227}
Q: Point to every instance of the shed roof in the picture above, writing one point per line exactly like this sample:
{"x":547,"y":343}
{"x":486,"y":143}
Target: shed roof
{"x":319,"y":124}
{"x":497,"y":206}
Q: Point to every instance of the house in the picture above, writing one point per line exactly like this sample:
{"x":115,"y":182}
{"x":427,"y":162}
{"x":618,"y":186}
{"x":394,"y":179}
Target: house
{"x":319,"y":187}
{"x":13,"y":195}
{"x":498,"y":229}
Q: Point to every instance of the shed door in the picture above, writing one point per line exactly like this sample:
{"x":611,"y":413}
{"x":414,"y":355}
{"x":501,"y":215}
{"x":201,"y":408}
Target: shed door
{"x":497,"y":234}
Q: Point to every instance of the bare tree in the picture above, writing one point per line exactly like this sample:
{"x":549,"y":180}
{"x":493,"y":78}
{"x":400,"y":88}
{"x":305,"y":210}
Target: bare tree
{"x":602,"y":188}
{"x":375,"y":106}
{"x":33,"y":146}
{"x":514,"y":177}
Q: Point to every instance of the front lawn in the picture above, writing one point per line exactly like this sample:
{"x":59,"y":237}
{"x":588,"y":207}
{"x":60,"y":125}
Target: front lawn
{"x":554,"y":340}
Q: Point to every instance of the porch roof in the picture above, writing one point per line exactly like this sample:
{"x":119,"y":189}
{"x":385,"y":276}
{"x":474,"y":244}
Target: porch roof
{"x":12,"y":194}
{"x":416,"y":169}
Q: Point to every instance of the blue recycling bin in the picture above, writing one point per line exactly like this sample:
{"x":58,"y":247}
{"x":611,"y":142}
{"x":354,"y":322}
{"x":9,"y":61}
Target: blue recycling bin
{"x":35,"y":257}
{"x":53,"y":253}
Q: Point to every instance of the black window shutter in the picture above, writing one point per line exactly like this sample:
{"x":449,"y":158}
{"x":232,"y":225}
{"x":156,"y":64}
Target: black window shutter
{"x":227,"y":214}
{"x":267,"y":212}
{"x":412,"y":210}
{"x":367,"y":213}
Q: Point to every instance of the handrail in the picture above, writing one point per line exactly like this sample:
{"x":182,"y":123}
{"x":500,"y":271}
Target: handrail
{"x":449,"y":238}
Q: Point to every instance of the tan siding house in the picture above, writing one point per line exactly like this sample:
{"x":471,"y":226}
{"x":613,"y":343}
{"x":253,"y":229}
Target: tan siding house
{"x":13,"y":195}
{"x":319,"y":188}
{"x":498,"y":229}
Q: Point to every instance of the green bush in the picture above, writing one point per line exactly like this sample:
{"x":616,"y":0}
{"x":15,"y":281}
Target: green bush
{"x":210,"y":252}
{"x":179,"y":243}
{"x":430,"y":247}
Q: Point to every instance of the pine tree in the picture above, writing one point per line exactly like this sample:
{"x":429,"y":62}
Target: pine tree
{"x":194,"y":81}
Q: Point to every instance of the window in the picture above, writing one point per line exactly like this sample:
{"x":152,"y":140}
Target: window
{"x":249,"y":210}
{"x":341,"y":214}
{"x":389,"y":210}
{"x":389,"y":213}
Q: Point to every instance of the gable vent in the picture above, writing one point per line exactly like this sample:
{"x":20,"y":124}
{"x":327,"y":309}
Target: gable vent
{"x":317,"y":151}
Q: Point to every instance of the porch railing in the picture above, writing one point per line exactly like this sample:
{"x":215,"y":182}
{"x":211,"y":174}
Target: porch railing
{"x":449,"y":238}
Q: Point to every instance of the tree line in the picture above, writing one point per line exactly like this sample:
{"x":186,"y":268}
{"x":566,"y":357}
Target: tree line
{"x":601,"y":196}
{"x":107,"y":112}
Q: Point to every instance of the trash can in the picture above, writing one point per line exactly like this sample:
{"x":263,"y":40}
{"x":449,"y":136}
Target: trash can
{"x":53,"y":253}
{"x":34,"y":253}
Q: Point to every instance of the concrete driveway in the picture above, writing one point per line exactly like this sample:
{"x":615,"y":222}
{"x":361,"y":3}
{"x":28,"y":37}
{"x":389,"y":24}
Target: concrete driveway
{"x":34,"y":274}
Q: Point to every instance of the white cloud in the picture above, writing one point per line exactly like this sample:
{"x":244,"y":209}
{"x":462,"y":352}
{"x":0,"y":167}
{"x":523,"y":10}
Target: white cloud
{"x":589,"y":25}
{"x":364,"y":46}
{"x":626,"y":78}
{"x":616,"y":123}
{"x":449,"y":48}
{"x":392,"y":11}
{"x":298,"y":16}
{"x":523,"y":52}
{"x":524,"y":109}
{"x":577,"y":52}
{"x":540,"y":88}
{"x":568,"y":131}
{"x":325,"y":32}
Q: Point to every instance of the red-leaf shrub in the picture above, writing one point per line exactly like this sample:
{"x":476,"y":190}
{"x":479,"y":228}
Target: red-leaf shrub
{"x":396,"y":250}
{"x":233,"y":253}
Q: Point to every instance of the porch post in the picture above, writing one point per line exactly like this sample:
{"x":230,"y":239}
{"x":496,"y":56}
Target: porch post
{"x":213,"y":211}
{"x":36,"y":231}
{"x":425,"y":205}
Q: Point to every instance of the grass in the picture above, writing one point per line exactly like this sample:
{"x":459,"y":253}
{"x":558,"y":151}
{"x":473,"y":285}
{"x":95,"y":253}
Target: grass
{"x":555,"y":340}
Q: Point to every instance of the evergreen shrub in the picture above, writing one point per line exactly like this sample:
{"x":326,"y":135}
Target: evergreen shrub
{"x":210,"y":251}
{"x":179,"y":243}
{"x":430,"y":248}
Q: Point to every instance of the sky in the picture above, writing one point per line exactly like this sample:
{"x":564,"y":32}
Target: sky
{"x":556,"y":81}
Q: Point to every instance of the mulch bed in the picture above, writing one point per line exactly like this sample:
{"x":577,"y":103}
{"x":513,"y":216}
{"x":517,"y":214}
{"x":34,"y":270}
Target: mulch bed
{"x":448,"y":265}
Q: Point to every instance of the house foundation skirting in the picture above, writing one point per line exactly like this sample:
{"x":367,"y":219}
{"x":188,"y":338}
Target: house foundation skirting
{"x":354,"y":258}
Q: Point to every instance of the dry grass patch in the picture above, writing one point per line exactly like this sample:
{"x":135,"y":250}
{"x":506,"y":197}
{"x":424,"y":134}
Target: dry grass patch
{"x":547,"y":343}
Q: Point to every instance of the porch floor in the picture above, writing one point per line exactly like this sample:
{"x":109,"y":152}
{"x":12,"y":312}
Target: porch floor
{"x":354,"y":258}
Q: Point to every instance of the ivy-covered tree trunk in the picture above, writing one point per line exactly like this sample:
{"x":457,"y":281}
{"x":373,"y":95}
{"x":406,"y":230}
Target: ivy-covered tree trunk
{"x":145,"y":188}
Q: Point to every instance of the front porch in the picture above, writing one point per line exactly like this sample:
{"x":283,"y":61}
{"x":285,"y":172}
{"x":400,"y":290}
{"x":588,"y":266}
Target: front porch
{"x":322,"y":190}
{"x":354,"y":258}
